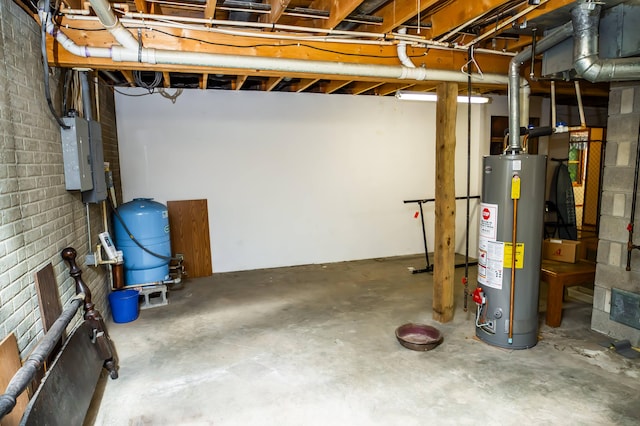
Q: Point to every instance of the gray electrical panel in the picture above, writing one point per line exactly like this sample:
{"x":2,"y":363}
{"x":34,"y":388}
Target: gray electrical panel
{"x":98,"y":192}
{"x":625,"y":308}
{"x":76,"y":154}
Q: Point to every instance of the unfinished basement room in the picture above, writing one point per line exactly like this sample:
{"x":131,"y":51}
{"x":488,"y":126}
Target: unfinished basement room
{"x":319,"y":212}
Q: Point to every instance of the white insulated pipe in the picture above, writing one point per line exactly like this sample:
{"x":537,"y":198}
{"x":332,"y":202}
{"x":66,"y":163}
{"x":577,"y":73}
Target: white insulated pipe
{"x":131,"y":51}
{"x":401,"y":49}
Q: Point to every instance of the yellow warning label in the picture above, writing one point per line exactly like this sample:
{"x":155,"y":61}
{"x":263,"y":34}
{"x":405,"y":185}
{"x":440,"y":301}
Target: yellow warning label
{"x":515,"y":187}
{"x":519,"y":255}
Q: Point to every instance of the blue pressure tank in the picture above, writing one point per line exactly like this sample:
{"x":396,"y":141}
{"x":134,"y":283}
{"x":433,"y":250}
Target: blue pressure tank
{"x":148,"y":222}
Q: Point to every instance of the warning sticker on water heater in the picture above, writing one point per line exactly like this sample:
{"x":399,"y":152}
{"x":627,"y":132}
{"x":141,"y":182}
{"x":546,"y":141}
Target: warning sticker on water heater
{"x":490,"y":262}
{"x":488,"y":221}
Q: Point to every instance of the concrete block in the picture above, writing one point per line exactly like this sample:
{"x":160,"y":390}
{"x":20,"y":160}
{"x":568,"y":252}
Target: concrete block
{"x":618,"y":179}
{"x":614,"y":229}
{"x":598,"y":297}
{"x":601,"y":323}
{"x":622,"y":156}
{"x":626,"y":100}
{"x":615,"y":98}
{"x":608,"y":276}
{"x":618,"y":205}
{"x":615,"y":254}
{"x":623,"y":128}
{"x":607,"y":300}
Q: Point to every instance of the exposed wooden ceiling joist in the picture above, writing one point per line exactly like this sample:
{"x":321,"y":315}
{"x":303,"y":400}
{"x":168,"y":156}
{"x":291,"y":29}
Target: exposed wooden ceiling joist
{"x":350,"y":32}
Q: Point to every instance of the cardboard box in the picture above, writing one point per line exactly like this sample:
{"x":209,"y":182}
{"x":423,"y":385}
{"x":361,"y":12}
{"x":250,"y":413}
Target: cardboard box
{"x":568,"y":251}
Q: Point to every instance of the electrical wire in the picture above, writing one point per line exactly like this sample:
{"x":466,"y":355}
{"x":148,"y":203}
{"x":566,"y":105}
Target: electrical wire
{"x":157,"y":79}
{"x":45,"y":63}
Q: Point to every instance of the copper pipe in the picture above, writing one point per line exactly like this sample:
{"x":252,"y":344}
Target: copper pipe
{"x":515,"y":195}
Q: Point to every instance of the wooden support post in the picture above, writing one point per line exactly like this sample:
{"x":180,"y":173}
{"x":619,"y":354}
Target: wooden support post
{"x":445,"y":203}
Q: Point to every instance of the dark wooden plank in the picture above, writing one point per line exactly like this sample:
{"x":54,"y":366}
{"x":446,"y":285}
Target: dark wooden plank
{"x":9,"y":365}
{"x":47,"y":289}
{"x":189,"y":224}
{"x":50,"y":309}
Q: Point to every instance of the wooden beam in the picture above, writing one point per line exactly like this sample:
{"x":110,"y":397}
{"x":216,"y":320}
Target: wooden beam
{"x":304,"y":84}
{"x":156,"y":9}
{"x":271,"y":83}
{"x":277,"y":9}
{"x":335,"y":85}
{"x":166,"y":79}
{"x":142,"y":6}
{"x":240,"y":81}
{"x":203,"y":81}
{"x":210,"y":10}
{"x":363,"y":86}
{"x":445,"y":204}
{"x":389,"y":88}
{"x":128,"y":75}
{"x":457,"y":13}
{"x":338,"y":10}
{"x":89,"y":34}
{"x":395,"y":14}
{"x":505,"y":23}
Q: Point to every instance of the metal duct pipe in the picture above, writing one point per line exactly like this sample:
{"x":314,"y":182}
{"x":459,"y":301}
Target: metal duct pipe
{"x":87,"y":106}
{"x":587,"y":62}
{"x":162,"y":56}
{"x":553,"y":38}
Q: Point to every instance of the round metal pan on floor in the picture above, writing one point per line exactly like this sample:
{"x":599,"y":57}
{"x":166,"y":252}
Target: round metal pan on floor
{"x":418,"y":337}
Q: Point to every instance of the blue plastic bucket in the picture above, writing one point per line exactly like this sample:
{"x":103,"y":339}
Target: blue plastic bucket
{"x":124,"y":305}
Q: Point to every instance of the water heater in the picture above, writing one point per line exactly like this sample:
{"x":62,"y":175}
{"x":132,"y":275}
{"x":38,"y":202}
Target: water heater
{"x":512,"y":210}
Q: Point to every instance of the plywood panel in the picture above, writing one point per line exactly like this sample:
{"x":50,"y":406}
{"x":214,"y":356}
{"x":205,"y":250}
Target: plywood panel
{"x":9,"y":365}
{"x":189,"y":223}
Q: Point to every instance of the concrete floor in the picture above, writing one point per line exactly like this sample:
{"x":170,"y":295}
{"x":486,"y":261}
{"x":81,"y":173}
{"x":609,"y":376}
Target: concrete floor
{"x":315,"y":345}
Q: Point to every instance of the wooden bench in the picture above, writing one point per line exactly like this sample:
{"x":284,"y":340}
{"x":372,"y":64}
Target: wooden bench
{"x":560,"y":275}
{"x":64,"y":394}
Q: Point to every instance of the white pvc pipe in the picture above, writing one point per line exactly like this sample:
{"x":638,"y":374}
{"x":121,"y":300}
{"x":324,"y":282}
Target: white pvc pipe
{"x":130,"y":52}
{"x":554,"y":121}
{"x":68,"y":44}
{"x":583,"y":122}
{"x":402,"y":50}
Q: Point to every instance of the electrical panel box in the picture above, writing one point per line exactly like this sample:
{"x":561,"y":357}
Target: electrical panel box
{"x":98,"y":192}
{"x":625,"y":308}
{"x":76,"y":154}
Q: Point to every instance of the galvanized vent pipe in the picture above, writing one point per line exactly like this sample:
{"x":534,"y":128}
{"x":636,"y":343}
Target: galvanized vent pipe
{"x":553,"y":38}
{"x":587,"y":62}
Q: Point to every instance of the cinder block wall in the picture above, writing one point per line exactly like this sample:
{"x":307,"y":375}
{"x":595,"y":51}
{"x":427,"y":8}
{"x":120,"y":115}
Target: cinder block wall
{"x":38,"y":217}
{"x":617,"y":189}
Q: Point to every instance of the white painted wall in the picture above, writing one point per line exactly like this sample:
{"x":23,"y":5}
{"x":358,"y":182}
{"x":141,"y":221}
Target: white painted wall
{"x":295,"y":178}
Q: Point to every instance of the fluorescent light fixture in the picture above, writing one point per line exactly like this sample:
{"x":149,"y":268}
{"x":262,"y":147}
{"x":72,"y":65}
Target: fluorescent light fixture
{"x":432,"y":97}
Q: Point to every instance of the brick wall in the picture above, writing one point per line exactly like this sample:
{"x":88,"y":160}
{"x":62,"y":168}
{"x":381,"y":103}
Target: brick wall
{"x":617,"y":189}
{"x":38,"y":217}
